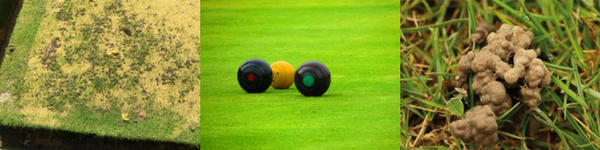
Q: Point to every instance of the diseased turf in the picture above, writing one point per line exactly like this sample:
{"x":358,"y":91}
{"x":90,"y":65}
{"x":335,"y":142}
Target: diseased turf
{"x":357,"y":41}
{"x":435,"y":37}
{"x":60,"y":76}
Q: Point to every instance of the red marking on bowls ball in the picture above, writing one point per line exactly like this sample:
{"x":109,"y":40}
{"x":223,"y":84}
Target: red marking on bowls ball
{"x":251,"y":77}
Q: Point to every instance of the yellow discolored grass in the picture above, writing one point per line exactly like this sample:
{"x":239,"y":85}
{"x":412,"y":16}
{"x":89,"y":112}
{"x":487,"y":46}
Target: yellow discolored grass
{"x":156,"y":68}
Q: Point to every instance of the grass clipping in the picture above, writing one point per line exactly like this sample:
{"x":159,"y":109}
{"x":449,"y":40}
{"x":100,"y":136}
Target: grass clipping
{"x":504,"y":65}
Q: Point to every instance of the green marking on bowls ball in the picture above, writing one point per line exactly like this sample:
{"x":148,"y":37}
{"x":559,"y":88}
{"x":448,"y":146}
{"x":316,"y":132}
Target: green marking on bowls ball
{"x":308,"y":80}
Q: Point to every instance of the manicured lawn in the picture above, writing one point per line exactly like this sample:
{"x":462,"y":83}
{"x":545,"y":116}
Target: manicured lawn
{"x":358,"y":41}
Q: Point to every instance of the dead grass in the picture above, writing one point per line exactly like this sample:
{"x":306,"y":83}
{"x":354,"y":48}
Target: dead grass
{"x":35,"y":115}
{"x":157,"y":67}
{"x":5,"y":97}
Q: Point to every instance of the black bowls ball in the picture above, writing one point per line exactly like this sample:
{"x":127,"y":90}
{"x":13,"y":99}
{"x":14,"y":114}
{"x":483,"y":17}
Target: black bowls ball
{"x":312,"y":78}
{"x":255,"y":75}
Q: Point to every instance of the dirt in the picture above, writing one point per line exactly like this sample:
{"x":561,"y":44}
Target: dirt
{"x":30,"y":138}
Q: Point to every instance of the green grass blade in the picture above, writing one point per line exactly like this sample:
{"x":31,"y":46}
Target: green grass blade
{"x":569,"y":92}
{"x":437,"y":25}
{"x":503,"y":118}
{"x":554,"y":66}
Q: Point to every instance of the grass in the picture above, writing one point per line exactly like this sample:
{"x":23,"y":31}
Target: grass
{"x":434,"y":34}
{"x":23,"y":38}
{"x":357,"y":40}
{"x":59,"y":76}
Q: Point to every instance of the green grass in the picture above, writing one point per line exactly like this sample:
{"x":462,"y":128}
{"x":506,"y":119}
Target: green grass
{"x":13,"y":68}
{"x":50,"y":88}
{"x":566,"y":35}
{"x":357,"y":40}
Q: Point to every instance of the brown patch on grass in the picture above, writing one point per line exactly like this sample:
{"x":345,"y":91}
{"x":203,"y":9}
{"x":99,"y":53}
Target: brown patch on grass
{"x":157,"y":67}
{"x":5,"y":97}
{"x":36,"y":115}
{"x":178,"y":25}
{"x":100,"y":102}
{"x":178,"y":130}
{"x":76,"y":68}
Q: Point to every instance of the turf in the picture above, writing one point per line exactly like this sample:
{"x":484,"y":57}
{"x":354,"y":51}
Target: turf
{"x":60,"y":76}
{"x":357,"y":40}
{"x":435,"y":36}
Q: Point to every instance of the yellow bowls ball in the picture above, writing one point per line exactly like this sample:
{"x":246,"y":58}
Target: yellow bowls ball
{"x":283,"y":75}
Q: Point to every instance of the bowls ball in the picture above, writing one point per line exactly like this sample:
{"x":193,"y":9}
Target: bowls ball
{"x":283,"y":75}
{"x":255,"y":75}
{"x":312,"y":78}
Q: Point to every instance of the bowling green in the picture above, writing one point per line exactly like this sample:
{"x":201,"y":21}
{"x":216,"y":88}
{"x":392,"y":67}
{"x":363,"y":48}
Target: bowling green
{"x":359,"y":41}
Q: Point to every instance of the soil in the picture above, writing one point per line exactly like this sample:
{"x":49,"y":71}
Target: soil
{"x":42,"y":139}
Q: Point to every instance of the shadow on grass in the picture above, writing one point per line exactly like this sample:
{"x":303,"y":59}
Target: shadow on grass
{"x":324,"y":95}
{"x":31,"y":138}
{"x":298,"y":94}
{"x":9,"y":9}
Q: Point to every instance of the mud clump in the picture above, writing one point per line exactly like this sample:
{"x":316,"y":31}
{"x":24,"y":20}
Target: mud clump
{"x":481,"y":32}
{"x":127,"y":31}
{"x":502,"y":70}
{"x":479,"y":126}
{"x":494,"y":95}
{"x":506,"y":64}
